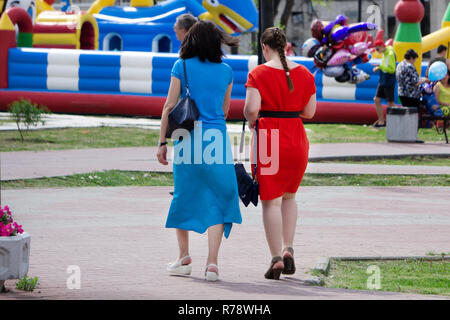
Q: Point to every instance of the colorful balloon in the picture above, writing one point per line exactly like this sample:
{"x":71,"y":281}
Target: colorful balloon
{"x":437,"y":71}
{"x":322,"y":56}
{"x":342,"y":33}
{"x":359,"y":76}
{"x":327,"y":29}
{"x":363,"y":26}
{"x":339,"y":34}
{"x":339,"y":58}
{"x":341,"y":19}
{"x":359,"y":48}
{"x":316,"y":29}
{"x":426,"y":88}
{"x":333,"y":72}
{"x":310,"y":47}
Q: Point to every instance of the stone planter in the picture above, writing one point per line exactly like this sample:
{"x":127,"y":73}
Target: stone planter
{"x":14,"y":257}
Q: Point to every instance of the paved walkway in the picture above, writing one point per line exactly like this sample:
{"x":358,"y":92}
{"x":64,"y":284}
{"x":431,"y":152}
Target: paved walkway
{"x":31,"y":164}
{"x":117,"y":239}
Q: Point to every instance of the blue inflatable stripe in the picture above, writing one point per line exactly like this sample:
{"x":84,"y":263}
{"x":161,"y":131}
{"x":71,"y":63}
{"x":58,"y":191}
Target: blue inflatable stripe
{"x":27,"y":69}
{"x":99,"y":84}
{"x":28,"y":55}
{"x":240,"y":77}
{"x":27,"y":82}
{"x":366,"y":94}
{"x":100,"y":72}
{"x":318,"y":82}
{"x":160,"y":87}
{"x":238,"y":92}
{"x":164,"y":62}
{"x":100,"y":59}
{"x":161,"y":74}
{"x":235,"y":64}
{"x":371,"y":83}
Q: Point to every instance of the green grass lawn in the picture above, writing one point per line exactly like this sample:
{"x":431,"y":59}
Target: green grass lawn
{"x":413,"y":276}
{"x":78,"y":138}
{"x":137,"y":178}
{"x":343,"y":133}
{"x":109,"y":137}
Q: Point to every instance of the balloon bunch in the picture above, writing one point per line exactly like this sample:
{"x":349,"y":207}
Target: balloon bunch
{"x":438,"y":71}
{"x":338,"y":47}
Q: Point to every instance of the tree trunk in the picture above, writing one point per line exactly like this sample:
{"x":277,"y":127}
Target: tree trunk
{"x":286,"y":13}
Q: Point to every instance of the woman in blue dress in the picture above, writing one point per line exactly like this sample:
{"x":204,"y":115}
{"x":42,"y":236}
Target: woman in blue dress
{"x":205,"y":195}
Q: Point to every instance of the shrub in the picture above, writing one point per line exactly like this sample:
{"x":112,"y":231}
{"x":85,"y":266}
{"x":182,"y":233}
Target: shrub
{"x":27,"y":284}
{"x":27,"y":113}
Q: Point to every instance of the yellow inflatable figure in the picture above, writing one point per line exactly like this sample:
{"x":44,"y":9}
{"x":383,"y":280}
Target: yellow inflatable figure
{"x":229,"y":20}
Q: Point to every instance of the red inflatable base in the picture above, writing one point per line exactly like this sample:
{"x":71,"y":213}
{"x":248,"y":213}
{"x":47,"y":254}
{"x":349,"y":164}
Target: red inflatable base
{"x":151,"y":106}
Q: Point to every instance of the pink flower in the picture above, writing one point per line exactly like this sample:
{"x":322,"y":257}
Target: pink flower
{"x":8,"y":227}
{"x":2,"y":230}
{"x":6,"y":231}
{"x":18,"y":228}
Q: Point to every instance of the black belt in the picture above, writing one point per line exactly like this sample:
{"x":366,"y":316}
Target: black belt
{"x":279,"y":114}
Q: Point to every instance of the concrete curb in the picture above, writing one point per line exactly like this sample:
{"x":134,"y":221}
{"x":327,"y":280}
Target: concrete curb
{"x":322,"y":265}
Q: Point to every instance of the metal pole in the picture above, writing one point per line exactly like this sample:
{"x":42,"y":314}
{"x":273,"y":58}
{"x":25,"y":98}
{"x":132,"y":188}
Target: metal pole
{"x":265,"y":10}
{"x":359,"y":10}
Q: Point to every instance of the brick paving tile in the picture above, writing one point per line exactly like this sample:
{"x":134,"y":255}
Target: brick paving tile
{"x":116,"y":236}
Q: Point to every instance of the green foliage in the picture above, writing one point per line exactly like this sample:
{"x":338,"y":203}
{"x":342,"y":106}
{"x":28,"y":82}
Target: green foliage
{"x":27,"y":284}
{"x":413,"y":276}
{"x":27,"y":113}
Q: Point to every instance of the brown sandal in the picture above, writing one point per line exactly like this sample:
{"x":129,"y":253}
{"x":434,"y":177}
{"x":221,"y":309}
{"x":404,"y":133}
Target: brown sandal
{"x":274,"y":273}
{"x":288,"y":260}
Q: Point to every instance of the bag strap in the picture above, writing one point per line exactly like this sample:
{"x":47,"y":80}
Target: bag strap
{"x":185,"y":79}
{"x":241,"y":146}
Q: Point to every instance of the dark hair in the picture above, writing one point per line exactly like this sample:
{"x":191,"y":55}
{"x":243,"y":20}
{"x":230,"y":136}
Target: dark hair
{"x":276,"y":40}
{"x":411,"y":54}
{"x":441,"y":48}
{"x":185,"y":21}
{"x":204,"y":40}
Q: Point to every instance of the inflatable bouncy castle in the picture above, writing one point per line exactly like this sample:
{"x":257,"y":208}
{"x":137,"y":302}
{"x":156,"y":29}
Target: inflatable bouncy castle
{"x":147,"y":27}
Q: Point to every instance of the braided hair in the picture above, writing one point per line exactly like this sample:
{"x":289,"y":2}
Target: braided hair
{"x":276,"y":40}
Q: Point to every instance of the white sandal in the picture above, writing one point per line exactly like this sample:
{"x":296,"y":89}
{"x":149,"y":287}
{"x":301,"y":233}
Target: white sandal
{"x":211,"y":276}
{"x":177,"y":267}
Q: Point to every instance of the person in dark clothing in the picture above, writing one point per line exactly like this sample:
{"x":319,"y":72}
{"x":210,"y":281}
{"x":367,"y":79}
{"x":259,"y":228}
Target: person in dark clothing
{"x":441,"y":56}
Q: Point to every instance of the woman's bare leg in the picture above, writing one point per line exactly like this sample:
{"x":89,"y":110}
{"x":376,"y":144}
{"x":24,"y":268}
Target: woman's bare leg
{"x":289,"y":214}
{"x":273,"y":226}
{"x":183,"y":244}
{"x":215,"y":234}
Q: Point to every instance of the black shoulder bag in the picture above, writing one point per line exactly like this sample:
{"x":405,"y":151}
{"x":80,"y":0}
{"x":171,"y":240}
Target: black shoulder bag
{"x":185,"y":112}
{"x":248,"y":188}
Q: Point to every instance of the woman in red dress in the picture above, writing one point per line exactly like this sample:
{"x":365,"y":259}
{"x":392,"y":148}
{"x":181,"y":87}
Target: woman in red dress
{"x":279,"y":93}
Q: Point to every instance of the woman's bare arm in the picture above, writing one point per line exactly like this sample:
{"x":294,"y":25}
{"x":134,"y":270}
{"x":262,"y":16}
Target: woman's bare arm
{"x":252,"y":105}
{"x":226,"y":100}
{"x":171,"y":101}
{"x":436,"y":91}
{"x":310,"y":109}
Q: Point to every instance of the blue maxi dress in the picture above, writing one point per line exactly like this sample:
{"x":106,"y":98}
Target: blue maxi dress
{"x":205,"y":192}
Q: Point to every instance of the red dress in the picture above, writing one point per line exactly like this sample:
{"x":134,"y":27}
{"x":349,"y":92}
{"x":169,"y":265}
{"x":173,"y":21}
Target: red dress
{"x":281,"y":165}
